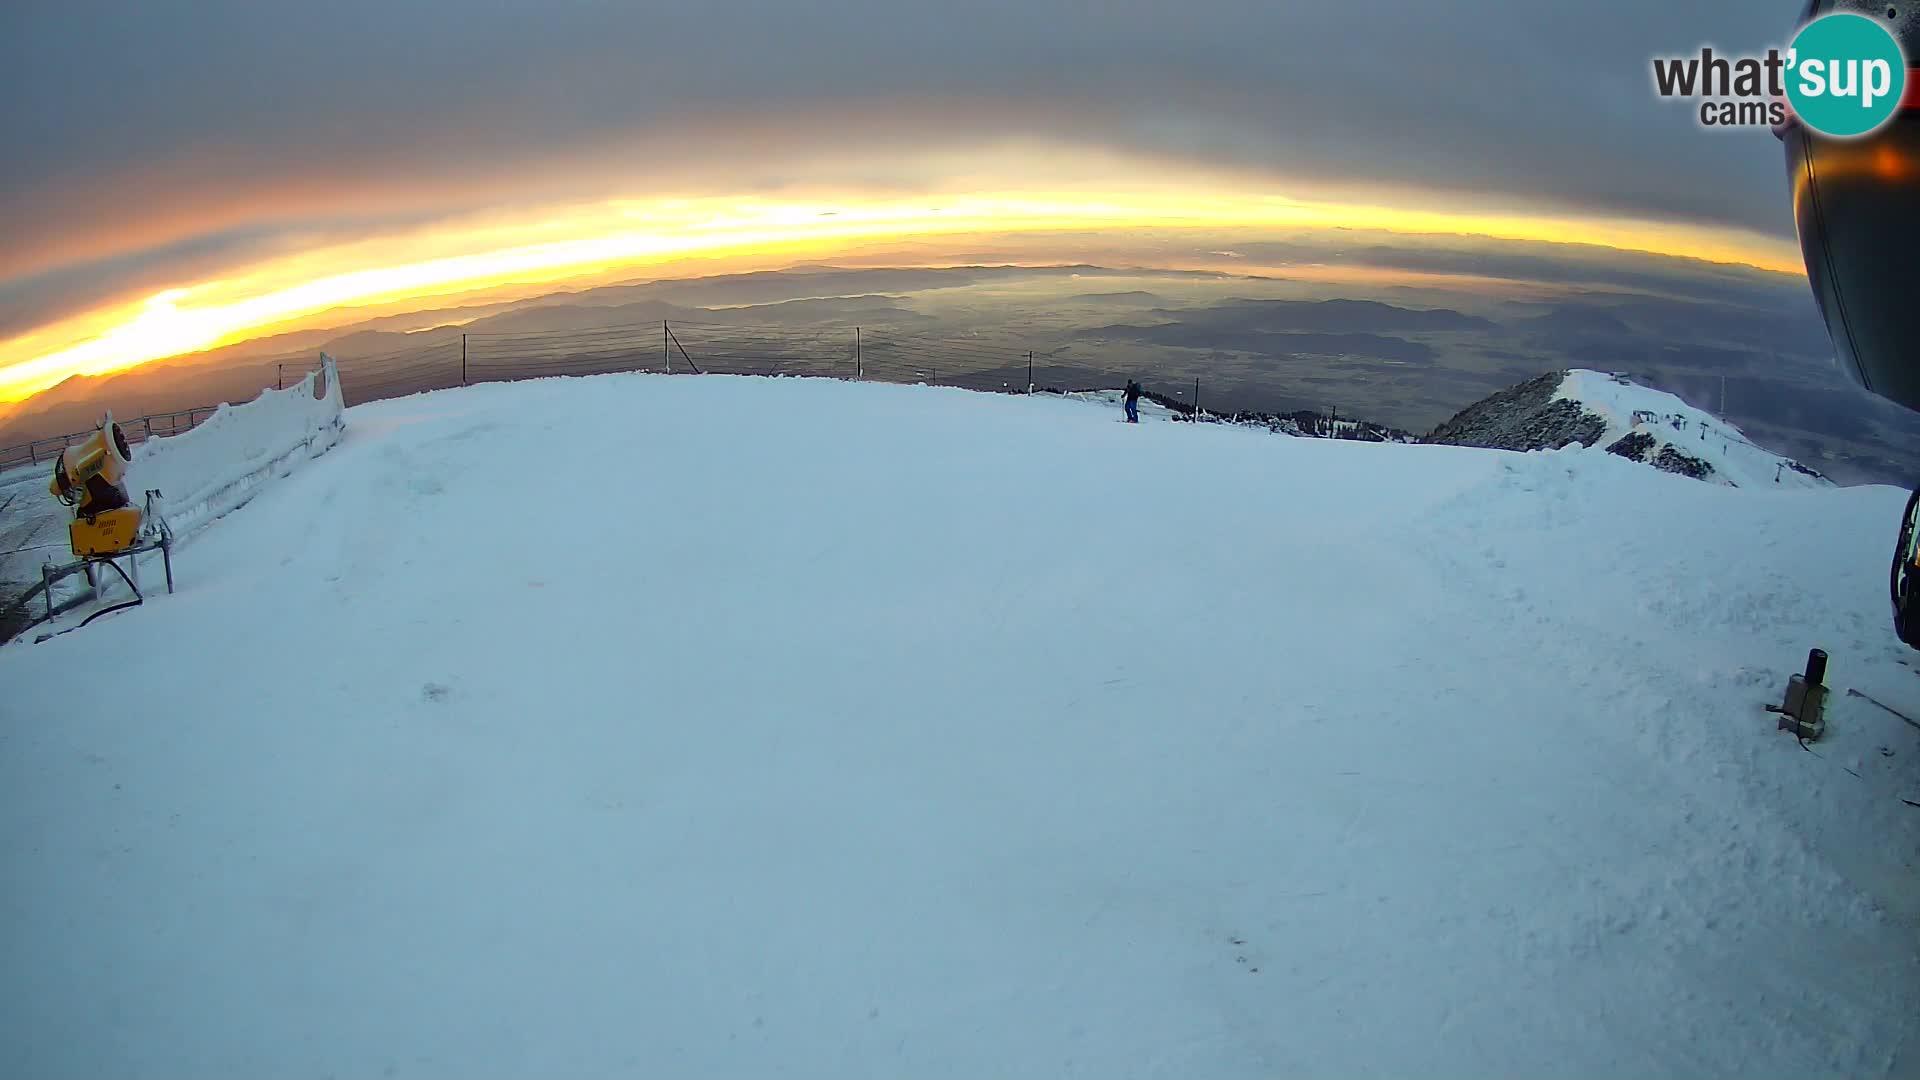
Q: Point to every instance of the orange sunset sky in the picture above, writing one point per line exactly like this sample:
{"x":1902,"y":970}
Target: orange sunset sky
{"x":251,"y":181}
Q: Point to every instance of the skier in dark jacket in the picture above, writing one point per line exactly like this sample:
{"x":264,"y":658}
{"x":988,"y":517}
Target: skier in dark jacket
{"x":1133,"y":402}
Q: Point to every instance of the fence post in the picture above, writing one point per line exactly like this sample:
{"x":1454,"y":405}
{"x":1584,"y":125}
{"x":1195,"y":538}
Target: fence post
{"x":279,"y":377}
{"x":1196,"y":397}
{"x":33,"y":458}
{"x":463,"y":359}
{"x":148,"y":420}
{"x":1029,"y":371}
{"x":666,"y":358}
{"x":856,"y":354}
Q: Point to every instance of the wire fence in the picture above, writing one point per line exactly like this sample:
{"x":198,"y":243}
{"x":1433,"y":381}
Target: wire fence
{"x":138,"y":430}
{"x":671,"y":346}
{"x":983,"y":362}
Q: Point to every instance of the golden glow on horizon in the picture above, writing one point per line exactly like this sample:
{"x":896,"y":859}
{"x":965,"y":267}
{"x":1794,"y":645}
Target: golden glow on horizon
{"x":278,"y":294}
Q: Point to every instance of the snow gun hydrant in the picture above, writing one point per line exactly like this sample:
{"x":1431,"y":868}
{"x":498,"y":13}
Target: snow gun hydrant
{"x":1804,"y":711}
{"x":90,"y":479}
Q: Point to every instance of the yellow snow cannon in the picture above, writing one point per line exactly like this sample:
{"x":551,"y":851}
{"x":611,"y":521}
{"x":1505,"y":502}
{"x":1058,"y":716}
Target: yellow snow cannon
{"x":88,"y":478}
{"x":107,"y":530}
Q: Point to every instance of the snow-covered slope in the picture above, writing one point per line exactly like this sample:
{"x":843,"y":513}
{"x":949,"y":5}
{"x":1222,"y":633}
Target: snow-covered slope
{"x":720,"y":726}
{"x":1632,"y":421}
{"x":1149,"y":409}
{"x":1656,"y":427}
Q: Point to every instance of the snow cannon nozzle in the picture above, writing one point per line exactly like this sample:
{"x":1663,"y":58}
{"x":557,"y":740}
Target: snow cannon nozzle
{"x":89,"y":478}
{"x":1816,"y":667}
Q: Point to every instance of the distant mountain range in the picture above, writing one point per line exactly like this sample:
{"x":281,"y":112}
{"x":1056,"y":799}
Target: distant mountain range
{"x":1260,"y":346}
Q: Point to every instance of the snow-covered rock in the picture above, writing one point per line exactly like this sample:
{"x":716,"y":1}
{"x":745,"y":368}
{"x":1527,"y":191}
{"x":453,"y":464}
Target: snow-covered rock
{"x":1632,"y":421}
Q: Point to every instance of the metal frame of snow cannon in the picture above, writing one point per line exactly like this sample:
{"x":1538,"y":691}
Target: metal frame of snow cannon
{"x":154,"y":535}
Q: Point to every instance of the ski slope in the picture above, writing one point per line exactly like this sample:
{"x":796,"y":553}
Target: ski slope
{"x":710,"y":726}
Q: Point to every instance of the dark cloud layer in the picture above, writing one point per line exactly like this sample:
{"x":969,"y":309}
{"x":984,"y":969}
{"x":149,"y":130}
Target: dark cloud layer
{"x":121,"y":115}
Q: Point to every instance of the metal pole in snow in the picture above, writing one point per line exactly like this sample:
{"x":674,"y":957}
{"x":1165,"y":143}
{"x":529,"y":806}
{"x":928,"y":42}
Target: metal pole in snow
{"x":1196,"y":397}
{"x":665,"y":358}
{"x":279,"y":376}
{"x":463,"y":359}
{"x":856,"y":354}
{"x":1029,"y":371}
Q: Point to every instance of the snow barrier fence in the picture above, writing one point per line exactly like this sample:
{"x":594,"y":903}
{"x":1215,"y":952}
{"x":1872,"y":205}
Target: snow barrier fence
{"x":220,"y":464}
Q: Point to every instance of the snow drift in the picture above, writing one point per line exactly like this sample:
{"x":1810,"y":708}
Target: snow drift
{"x":217,"y":466}
{"x":859,"y":730}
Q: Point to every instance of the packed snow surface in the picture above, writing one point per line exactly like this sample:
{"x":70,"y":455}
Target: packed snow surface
{"x":708,"y":726}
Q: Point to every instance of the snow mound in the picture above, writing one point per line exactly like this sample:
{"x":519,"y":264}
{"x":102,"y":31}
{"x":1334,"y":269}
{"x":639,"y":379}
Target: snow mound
{"x":719,"y":726}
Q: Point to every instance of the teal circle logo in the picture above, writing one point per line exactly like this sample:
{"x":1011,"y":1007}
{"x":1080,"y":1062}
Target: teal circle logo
{"x":1846,"y":75}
